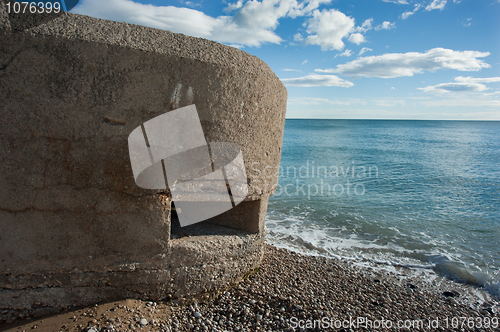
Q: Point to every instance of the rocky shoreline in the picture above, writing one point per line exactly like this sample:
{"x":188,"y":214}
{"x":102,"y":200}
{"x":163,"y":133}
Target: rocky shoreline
{"x":294,"y":292}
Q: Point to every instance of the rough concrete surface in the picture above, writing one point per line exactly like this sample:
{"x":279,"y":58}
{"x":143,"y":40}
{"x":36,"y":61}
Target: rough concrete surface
{"x":75,"y":228}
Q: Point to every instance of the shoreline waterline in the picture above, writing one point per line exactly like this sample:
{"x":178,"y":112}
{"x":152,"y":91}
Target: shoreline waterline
{"x":478,"y":288}
{"x":430,"y":202}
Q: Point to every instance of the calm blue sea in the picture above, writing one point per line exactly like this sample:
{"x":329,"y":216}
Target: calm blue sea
{"x":417,"y":194}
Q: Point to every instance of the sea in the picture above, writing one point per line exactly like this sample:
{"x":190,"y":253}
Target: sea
{"x":417,"y":195}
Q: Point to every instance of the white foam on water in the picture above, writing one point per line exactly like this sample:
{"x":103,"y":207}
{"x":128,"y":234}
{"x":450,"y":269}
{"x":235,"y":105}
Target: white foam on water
{"x":391,"y":258}
{"x":493,"y":287}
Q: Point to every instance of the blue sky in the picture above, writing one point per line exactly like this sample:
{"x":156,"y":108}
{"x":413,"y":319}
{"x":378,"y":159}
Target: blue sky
{"x":350,"y":59}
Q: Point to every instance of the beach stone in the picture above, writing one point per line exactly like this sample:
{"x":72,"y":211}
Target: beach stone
{"x":143,"y":322}
{"x":76,"y":229}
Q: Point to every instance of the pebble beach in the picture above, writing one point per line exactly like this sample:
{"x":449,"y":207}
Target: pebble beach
{"x":294,"y":292}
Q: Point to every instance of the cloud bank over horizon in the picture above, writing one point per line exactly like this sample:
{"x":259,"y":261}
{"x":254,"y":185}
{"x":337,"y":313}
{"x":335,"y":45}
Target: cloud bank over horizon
{"x":462,"y":84}
{"x":392,"y":65}
{"x":313,"y":80}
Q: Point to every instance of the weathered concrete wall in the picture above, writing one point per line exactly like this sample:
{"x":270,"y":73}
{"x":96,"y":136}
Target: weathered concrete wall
{"x":75,"y":228}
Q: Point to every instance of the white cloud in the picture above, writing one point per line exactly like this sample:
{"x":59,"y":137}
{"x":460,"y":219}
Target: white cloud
{"x":467,"y":22}
{"x":184,"y":20}
{"x":252,"y":25}
{"x":297,"y":70}
{"x":465,"y":84}
{"x":452,"y":106}
{"x":462,"y":102}
{"x":357,"y":38}
{"x":365,"y":49}
{"x":392,"y":65}
{"x":298,"y":37}
{"x":327,"y":28}
{"x":233,"y":6}
{"x":264,"y":14}
{"x":238,"y":46}
{"x":452,"y":101}
{"x":407,"y":14}
{"x":454,"y":87}
{"x":386,"y":25}
{"x":367,"y":25}
{"x":192,"y":4}
{"x":317,"y":80}
{"x":436,"y":4}
{"x":320,"y":101}
{"x":302,"y":9}
{"x":469,"y":79}
{"x":345,"y":53}
{"x":401,"y":2}
{"x":305,"y":61}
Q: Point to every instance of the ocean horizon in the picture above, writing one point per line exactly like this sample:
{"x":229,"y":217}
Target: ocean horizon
{"x":423,"y":195}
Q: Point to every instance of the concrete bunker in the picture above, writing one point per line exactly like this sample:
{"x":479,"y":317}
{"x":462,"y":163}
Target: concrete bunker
{"x":76,"y":230}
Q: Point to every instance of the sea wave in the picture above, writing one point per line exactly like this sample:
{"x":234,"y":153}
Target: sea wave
{"x":318,"y":243}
